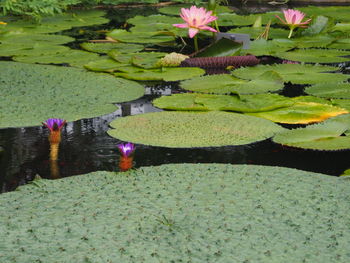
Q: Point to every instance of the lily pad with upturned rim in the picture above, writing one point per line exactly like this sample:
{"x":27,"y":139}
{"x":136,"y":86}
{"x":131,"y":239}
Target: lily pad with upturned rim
{"x":192,"y":129}
{"x":226,"y":84}
{"x":294,"y":73}
{"x":301,"y":113}
{"x":330,"y":90}
{"x":327,"y":136}
{"x":31,"y":94}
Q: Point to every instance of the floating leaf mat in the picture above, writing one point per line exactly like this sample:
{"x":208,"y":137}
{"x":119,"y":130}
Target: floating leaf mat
{"x":332,"y":134}
{"x":192,"y":129}
{"x":179,"y":212}
{"x":294,"y":73}
{"x":32,"y":93}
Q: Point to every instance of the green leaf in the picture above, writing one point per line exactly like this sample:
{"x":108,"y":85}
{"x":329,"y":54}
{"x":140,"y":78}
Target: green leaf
{"x":221,"y":48}
{"x":294,"y":73}
{"x":225,"y":84}
{"x":166,"y":74}
{"x":255,"y":32}
{"x":104,"y":48}
{"x":262,"y":47}
{"x":316,"y":55}
{"x":183,"y":101}
{"x":30,"y":94}
{"x":301,"y":113}
{"x":330,"y":90}
{"x":104,"y":65}
{"x":327,"y":135}
{"x":141,"y":37}
{"x":342,"y":27}
{"x":339,"y":13}
{"x":147,"y":60}
{"x":192,"y":129}
{"x":318,"y":25}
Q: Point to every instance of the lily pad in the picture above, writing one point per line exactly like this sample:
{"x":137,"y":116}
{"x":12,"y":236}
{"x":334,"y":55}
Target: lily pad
{"x":262,"y":47}
{"x":318,"y":25}
{"x":346,"y":173}
{"x":104,"y":48}
{"x":104,"y":65}
{"x":147,"y":60}
{"x":225,"y":84}
{"x":59,"y":92}
{"x":166,"y":211}
{"x":339,"y":13}
{"x":294,"y":73}
{"x":192,"y":129}
{"x":328,"y":135}
{"x":316,"y":55}
{"x":343,"y":103}
{"x":204,"y":102}
{"x":340,"y":44}
{"x":175,"y":10}
{"x":166,"y":74}
{"x":141,"y":37}
{"x":301,"y":113}
{"x":254,"y":32}
{"x":330,"y":90}
{"x":76,"y":58}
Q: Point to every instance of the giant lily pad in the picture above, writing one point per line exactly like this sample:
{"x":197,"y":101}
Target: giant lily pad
{"x":224,"y":84}
{"x":301,"y":113}
{"x":294,"y":73}
{"x":330,"y":90}
{"x":328,"y":135}
{"x":164,"y":214}
{"x":316,"y":55}
{"x":192,"y":129}
{"x":166,"y":74}
{"x":204,"y":102}
{"x":31,"y":94}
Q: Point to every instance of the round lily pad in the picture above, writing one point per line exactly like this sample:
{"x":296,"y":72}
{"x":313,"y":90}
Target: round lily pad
{"x":225,"y":84}
{"x":328,"y":135}
{"x":330,"y":90}
{"x":254,"y":32}
{"x":104,"y":48}
{"x":141,"y":37}
{"x":192,"y":129}
{"x":294,"y":73}
{"x":31,"y":94}
{"x":179,"y":212}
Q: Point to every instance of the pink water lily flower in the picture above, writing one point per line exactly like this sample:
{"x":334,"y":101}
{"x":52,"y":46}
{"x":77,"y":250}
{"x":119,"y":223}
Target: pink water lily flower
{"x":126,"y":149}
{"x":196,"y":19}
{"x":54,"y":124}
{"x":293,"y":18}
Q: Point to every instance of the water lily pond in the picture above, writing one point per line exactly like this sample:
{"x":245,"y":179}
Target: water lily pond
{"x":144,"y":106}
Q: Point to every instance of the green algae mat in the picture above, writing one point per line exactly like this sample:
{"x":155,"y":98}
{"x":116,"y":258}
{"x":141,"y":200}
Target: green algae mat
{"x":192,"y":129}
{"x":31,"y":94}
{"x":179,"y":213}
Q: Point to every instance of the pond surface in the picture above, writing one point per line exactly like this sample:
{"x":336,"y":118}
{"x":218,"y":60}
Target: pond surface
{"x":86,"y":147}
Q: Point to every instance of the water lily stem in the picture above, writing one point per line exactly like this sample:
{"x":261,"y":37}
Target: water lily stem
{"x":290,"y":32}
{"x":195,"y":43}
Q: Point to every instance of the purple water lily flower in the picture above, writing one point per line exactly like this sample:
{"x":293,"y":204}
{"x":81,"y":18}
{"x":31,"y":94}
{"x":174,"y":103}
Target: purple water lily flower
{"x":126,"y":149}
{"x":54,"y":124}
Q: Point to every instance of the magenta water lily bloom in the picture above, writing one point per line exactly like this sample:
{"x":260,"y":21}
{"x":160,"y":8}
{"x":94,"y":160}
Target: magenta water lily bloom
{"x":196,"y":19}
{"x":126,"y":149}
{"x":293,"y":19}
{"x":54,"y":124}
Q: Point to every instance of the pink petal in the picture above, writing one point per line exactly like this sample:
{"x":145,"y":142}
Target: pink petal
{"x":192,"y":32}
{"x":207,"y":28}
{"x":180,"y":25}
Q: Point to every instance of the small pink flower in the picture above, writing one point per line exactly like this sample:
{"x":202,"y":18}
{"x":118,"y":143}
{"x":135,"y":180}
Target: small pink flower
{"x":196,"y":19}
{"x":293,"y":18}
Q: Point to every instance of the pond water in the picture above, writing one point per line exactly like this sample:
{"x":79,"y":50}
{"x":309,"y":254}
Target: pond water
{"x":86,"y":147}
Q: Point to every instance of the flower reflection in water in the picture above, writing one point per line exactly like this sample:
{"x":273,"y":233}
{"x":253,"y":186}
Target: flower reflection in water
{"x":126,"y":159}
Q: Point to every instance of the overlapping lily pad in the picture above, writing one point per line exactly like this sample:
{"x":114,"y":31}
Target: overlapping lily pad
{"x":162,"y":74}
{"x":330,"y":90}
{"x":328,"y":135}
{"x":294,"y":73}
{"x":316,"y":55}
{"x":225,"y":84}
{"x":160,"y":37}
{"x":340,"y":44}
{"x":192,"y":129}
{"x":339,"y":13}
{"x":31,"y":94}
{"x":104,"y":48}
{"x":264,"y":47}
{"x":254,"y":32}
{"x":343,"y":103}
{"x":204,"y":102}
{"x":301,"y":113}
{"x":165,"y":213}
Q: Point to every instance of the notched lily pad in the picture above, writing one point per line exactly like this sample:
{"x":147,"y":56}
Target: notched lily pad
{"x":192,"y":129}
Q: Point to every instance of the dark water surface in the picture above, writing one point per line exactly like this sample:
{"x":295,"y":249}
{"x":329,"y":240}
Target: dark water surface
{"x":86,"y":147}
